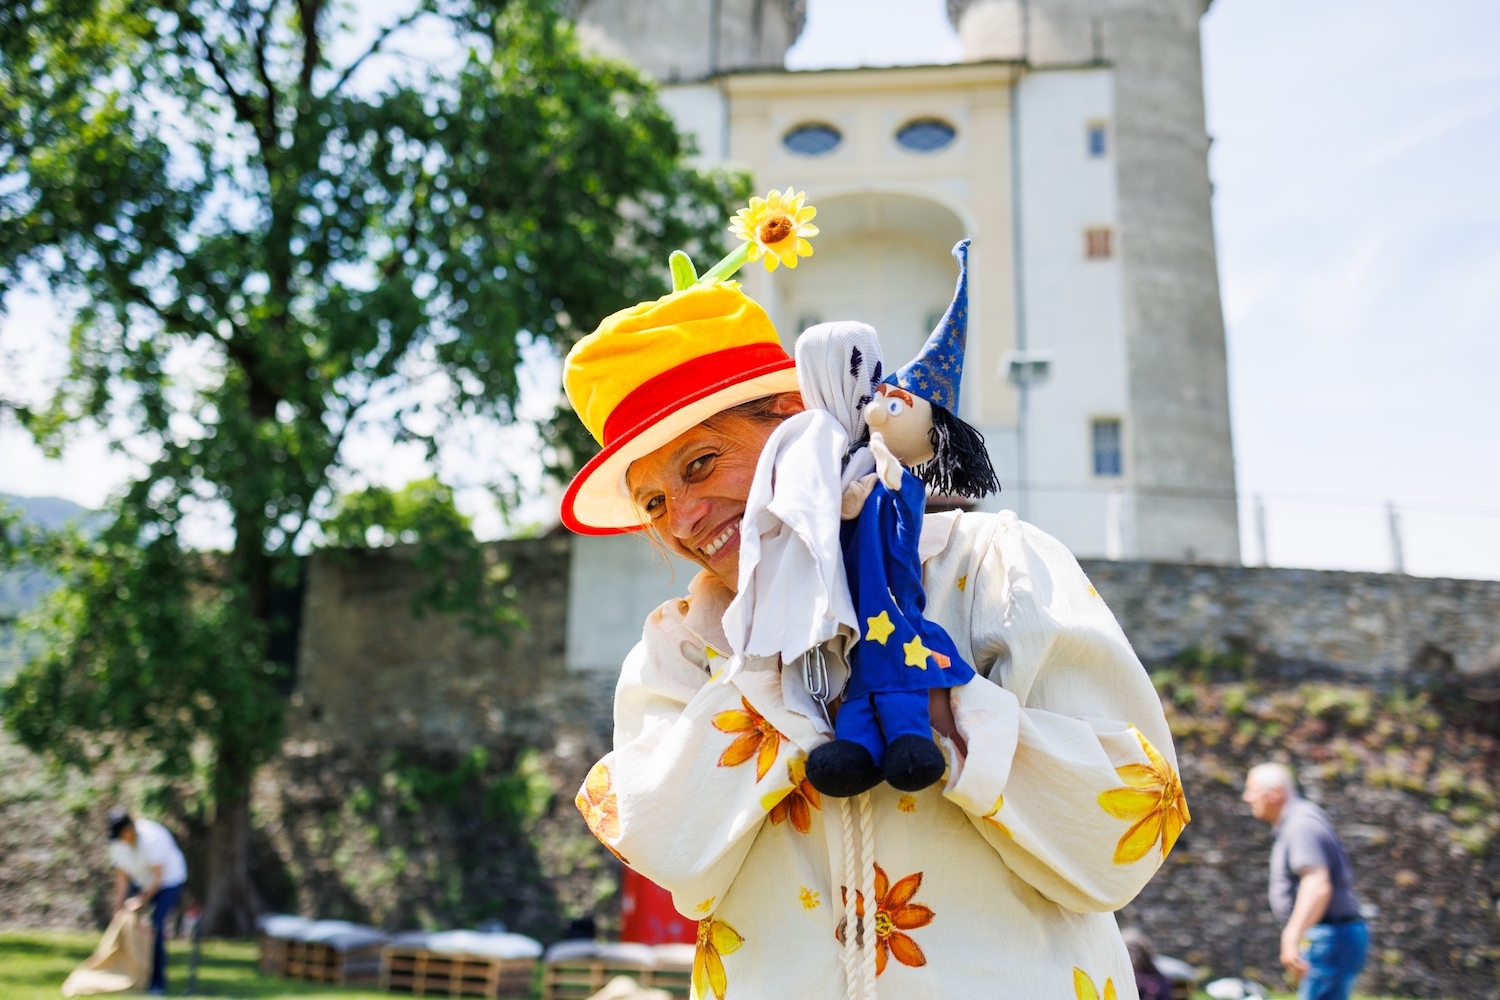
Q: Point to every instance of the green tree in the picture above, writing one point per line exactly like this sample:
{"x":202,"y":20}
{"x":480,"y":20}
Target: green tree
{"x":263,"y":251}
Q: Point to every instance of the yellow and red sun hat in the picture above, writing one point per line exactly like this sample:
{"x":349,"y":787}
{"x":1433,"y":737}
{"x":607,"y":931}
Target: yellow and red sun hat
{"x":653,"y":371}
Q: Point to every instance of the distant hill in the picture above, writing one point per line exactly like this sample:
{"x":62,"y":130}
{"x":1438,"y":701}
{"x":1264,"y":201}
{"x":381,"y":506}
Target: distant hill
{"x":49,"y":512}
{"x":20,"y":590}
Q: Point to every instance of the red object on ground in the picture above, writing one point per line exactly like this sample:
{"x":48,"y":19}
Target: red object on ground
{"x":647,"y":915}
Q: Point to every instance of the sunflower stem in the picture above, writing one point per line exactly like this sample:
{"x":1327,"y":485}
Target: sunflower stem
{"x":737,"y":259}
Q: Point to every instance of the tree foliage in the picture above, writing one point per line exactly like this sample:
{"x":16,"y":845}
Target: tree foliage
{"x":266,"y":249}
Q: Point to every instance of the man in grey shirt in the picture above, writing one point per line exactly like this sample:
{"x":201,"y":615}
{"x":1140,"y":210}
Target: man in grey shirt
{"x":1312,"y":887}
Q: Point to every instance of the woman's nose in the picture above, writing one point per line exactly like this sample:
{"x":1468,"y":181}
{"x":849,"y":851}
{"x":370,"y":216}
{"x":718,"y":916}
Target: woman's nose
{"x":685,"y":514}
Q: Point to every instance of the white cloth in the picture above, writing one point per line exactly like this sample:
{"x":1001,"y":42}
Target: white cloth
{"x":838,"y":367}
{"x":1000,"y":879}
{"x":490,"y":945}
{"x":793,"y":594}
{"x":153,"y":846}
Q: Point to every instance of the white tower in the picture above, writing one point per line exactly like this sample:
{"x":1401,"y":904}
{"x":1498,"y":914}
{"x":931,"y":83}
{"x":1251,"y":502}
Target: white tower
{"x":1179,"y":454}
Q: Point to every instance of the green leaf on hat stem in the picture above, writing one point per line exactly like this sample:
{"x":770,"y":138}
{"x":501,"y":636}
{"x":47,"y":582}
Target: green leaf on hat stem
{"x":684,"y":275}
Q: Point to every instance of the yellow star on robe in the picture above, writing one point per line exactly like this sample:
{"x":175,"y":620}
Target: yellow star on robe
{"x":881,"y":627}
{"x":916,"y":653}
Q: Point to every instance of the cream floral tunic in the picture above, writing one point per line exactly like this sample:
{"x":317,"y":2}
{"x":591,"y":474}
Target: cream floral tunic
{"x":999,"y":881}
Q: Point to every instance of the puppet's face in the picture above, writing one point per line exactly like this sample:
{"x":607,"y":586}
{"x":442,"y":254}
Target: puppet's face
{"x":904,"y":421}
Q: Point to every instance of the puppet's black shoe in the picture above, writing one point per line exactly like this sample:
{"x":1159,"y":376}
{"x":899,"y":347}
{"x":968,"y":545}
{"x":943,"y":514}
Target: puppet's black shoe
{"x":912,"y":763}
{"x":841,"y":768}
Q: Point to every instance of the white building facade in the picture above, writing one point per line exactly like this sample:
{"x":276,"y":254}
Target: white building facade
{"x":1070,"y":147}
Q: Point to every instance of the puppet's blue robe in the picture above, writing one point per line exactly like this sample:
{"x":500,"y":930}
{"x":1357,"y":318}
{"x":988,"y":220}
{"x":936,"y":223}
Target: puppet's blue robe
{"x":887,"y":695}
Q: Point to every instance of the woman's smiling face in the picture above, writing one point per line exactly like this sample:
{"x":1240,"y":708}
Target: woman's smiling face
{"x":694,"y":488}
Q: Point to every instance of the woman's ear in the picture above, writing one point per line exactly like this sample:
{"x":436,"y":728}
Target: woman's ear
{"x":786,"y":404}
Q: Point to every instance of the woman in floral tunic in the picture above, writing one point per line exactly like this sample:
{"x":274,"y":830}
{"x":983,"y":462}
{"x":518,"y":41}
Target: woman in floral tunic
{"x":1061,"y":798}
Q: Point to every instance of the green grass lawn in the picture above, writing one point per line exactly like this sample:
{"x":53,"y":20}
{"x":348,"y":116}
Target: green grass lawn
{"x":33,"y":965}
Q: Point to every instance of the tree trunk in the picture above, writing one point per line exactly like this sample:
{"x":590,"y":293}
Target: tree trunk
{"x":230,"y":905}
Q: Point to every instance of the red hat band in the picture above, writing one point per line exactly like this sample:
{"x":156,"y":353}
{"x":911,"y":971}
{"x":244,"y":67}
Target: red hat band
{"x":689,"y":381}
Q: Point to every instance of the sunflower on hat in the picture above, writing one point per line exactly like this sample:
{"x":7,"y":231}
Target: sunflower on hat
{"x":776,"y":228}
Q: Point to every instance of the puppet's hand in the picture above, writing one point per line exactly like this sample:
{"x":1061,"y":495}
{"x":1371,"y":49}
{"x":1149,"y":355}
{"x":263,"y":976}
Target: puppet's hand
{"x":887,"y":467}
{"x":855,"y":496}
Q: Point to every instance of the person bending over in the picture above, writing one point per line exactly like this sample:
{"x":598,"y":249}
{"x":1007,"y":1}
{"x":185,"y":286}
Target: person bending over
{"x":149,"y":870}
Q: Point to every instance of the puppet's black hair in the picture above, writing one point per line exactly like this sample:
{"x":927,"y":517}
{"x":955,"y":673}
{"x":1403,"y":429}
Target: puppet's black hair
{"x":960,"y":464}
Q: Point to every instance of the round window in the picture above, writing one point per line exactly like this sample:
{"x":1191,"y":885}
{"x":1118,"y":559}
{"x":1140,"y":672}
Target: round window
{"x":925,"y":135}
{"x":812,"y":140}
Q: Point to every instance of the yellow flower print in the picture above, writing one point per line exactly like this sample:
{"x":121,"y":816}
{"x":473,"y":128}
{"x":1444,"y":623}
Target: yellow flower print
{"x":600,"y":808}
{"x":1083,"y":987}
{"x":963,"y":582}
{"x":907,"y":803}
{"x":916,"y":653}
{"x":810,"y":900}
{"x":706,"y":905}
{"x":777,"y":228}
{"x":758,"y":739}
{"x":992,"y":818}
{"x":800,"y":801}
{"x":1153,"y":797}
{"x":880,"y":627}
{"x":715,"y":940}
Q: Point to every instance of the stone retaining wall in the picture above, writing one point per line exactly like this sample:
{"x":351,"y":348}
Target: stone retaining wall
{"x":1358,"y":624}
{"x":380,"y":809}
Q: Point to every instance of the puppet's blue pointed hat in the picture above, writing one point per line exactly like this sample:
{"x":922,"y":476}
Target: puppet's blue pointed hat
{"x":936,"y":371}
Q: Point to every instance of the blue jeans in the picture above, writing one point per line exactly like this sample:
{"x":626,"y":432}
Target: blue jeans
{"x":1335,"y":954}
{"x":162,"y":905}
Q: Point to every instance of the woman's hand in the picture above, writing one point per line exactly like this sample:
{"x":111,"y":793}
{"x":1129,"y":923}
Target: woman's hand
{"x":940,"y":710}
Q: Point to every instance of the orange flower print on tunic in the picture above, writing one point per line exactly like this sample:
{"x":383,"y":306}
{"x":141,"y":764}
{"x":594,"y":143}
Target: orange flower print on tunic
{"x":895,"y":914}
{"x":993,"y":818}
{"x":800,"y":801}
{"x":715,"y":940}
{"x":601,"y":811}
{"x":1083,"y":987}
{"x":1153,"y":798}
{"x":758,"y":739}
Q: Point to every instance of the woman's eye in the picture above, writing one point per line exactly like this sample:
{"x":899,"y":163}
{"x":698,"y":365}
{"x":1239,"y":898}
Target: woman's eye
{"x":656,"y":505}
{"x":700,"y":466}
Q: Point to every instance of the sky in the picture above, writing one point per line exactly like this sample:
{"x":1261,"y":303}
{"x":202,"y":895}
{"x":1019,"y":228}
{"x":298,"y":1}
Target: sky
{"x":1354,"y":153}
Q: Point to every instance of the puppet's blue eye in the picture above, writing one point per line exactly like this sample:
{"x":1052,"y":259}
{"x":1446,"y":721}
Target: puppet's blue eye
{"x":894,"y":406}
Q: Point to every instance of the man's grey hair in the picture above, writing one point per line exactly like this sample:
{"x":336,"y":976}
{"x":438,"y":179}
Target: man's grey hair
{"x":1274,"y":775}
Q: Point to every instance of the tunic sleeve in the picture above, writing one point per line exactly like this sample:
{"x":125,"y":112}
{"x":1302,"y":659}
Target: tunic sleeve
{"x":1070,"y":773}
{"x":697,"y":765}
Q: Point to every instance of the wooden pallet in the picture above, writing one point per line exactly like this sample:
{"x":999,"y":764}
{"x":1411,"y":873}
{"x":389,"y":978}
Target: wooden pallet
{"x":272,"y":956}
{"x":316,"y":962}
{"x":580,"y":978}
{"x":406,"y":969}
